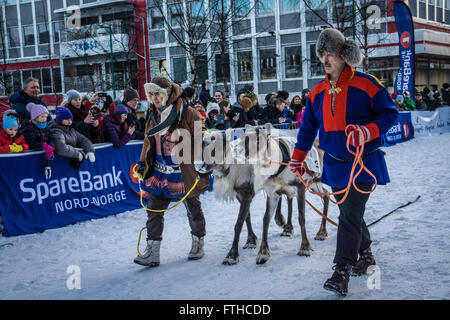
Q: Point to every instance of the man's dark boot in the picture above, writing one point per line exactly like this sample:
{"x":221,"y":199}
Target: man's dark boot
{"x":338,"y":282}
{"x":365,"y":260}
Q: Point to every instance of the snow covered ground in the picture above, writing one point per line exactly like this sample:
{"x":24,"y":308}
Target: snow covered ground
{"x":411,"y":248}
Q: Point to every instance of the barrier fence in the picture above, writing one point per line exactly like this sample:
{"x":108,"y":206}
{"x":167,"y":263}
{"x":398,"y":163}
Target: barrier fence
{"x":30,"y":203}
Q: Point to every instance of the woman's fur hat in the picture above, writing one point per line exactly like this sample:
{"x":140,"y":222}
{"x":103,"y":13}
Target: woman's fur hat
{"x":159,"y":84}
{"x":333,"y":41}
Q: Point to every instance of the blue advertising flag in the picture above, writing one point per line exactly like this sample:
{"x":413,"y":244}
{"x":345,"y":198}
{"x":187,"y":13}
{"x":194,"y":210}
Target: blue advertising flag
{"x":404,"y":80}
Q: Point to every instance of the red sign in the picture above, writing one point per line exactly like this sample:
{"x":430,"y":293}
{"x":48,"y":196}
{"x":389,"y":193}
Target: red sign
{"x":405,"y":39}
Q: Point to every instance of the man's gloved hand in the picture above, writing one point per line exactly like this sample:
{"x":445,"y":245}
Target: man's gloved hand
{"x":90,"y":156}
{"x":296,"y":162}
{"x":140,"y":168}
{"x":357,"y":138}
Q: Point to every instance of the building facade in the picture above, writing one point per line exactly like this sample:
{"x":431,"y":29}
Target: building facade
{"x":81,"y":44}
{"x":73,"y":44}
{"x":273,"y":46}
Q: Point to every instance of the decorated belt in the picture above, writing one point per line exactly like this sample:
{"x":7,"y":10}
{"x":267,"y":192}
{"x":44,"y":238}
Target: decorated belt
{"x":166,"y":168}
{"x":353,"y":158}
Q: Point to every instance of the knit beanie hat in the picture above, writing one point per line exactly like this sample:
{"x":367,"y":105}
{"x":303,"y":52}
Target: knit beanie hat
{"x":399,"y":98}
{"x":333,"y":41}
{"x":9,"y":122}
{"x":283,"y":95}
{"x":62,"y":113}
{"x":72,"y":94}
{"x":130,"y":94}
{"x":36,"y":110}
{"x":211,"y":107}
{"x":120,"y":109}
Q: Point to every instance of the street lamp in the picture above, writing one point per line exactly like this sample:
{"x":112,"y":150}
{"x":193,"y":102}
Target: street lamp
{"x":112,"y":57}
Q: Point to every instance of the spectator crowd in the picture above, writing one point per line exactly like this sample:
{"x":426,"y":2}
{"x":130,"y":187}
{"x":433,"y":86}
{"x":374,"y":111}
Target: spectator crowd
{"x":82,"y":121}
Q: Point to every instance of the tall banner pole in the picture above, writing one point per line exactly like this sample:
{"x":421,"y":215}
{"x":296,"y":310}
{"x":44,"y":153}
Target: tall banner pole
{"x":404,"y":80}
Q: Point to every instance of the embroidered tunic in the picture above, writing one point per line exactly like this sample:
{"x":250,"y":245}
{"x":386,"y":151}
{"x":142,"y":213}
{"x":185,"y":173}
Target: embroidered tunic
{"x":356,"y":98}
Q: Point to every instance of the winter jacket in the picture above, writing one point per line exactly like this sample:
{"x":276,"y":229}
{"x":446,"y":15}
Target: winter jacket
{"x":244,"y":117}
{"x":133,"y":119}
{"x":273,"y":115}
{"x":299,"y":116}
{"x":66,"y":139}
{"x":362,"y":100}
{"x":86,"y":129}
{"x":204,"y":96}
{"x":188,"y":118}
{"x":111,"y":132}
{"x":409,"y":104}
{"x":6,"y":141}
{"x":19,"y":101}
{"x":35,"y":136}
{"x":446,"y":96}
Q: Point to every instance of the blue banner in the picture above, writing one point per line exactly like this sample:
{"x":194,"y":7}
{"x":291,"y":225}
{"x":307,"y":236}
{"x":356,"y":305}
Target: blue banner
{"x":401,"y":131}
{"x":404,"y":80}
{"x":30,"y":203}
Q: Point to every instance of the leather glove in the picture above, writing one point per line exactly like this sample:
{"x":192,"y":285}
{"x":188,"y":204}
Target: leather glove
{"x":367,"y":133}
{"x":140,"y":168}
{"x":296,"y":162}
{"x":90,"y":156}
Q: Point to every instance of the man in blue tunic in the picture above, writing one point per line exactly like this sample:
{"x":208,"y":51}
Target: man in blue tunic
{"x":353,"y":100}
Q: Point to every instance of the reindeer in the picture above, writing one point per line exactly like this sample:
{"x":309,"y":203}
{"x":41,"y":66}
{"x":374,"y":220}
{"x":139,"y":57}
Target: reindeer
{"x":242,"y":168}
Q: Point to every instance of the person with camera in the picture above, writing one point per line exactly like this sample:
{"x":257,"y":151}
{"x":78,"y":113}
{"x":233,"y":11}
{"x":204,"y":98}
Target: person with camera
{"x":85,"y":116}
{"x":130,"y":101}
{"x":116,"y":129}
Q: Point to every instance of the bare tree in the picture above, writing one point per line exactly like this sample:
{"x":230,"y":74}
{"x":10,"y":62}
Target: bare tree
{"x":5,"y":76}
{"x":355,"y":19}
{"x":198,"y":26}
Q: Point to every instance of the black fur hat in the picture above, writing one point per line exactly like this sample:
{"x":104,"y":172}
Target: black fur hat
{"x":333,"y":41}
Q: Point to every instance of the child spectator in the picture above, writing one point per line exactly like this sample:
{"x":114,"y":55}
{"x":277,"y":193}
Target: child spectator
{"x":399,"y":102}
{"x":10,"y":140}
{"x":199,"y":107}
{"x":36,"y":132}
{"x":408,"y":103}
{"x":211,"y":112}
{"x":296,"y":104}
{"x":66,"y":139}
{"x":116,"y":129}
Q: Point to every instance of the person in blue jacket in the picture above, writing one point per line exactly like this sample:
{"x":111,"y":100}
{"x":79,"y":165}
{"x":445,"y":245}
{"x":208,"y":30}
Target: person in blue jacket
{"x":354,"y":100}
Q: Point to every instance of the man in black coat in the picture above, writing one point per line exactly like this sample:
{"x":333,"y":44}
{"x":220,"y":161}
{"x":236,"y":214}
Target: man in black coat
{"x":30,"y":93}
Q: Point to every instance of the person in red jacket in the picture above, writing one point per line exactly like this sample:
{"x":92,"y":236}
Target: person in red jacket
{"x":10,"y":141}
{"x":346,"y":101}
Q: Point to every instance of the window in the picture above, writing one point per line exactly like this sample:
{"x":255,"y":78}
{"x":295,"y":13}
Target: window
{"x":44,"y":35}
{"x":158,"y":67}
{"x":58,"y":27}
{"x":157,"y":19}
{"x":176,"y":15}
{"x":267,"y":64}
{"x":265,"y":7}
{"x":241,"y":7}
{"x":14,"y":39}
{"x":46,"y":84}
{"x":287,"y":6}
{"x":28,"y":35}
{"x":201,"y":69}
{"x":222,"y":68}
{"x":197,"y":9}
{"x":244,"y":66}
{"x":315,"y":64}
{"x":315,"y":4}
{"x":179,"y":71}
{"x":292,"y":62}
